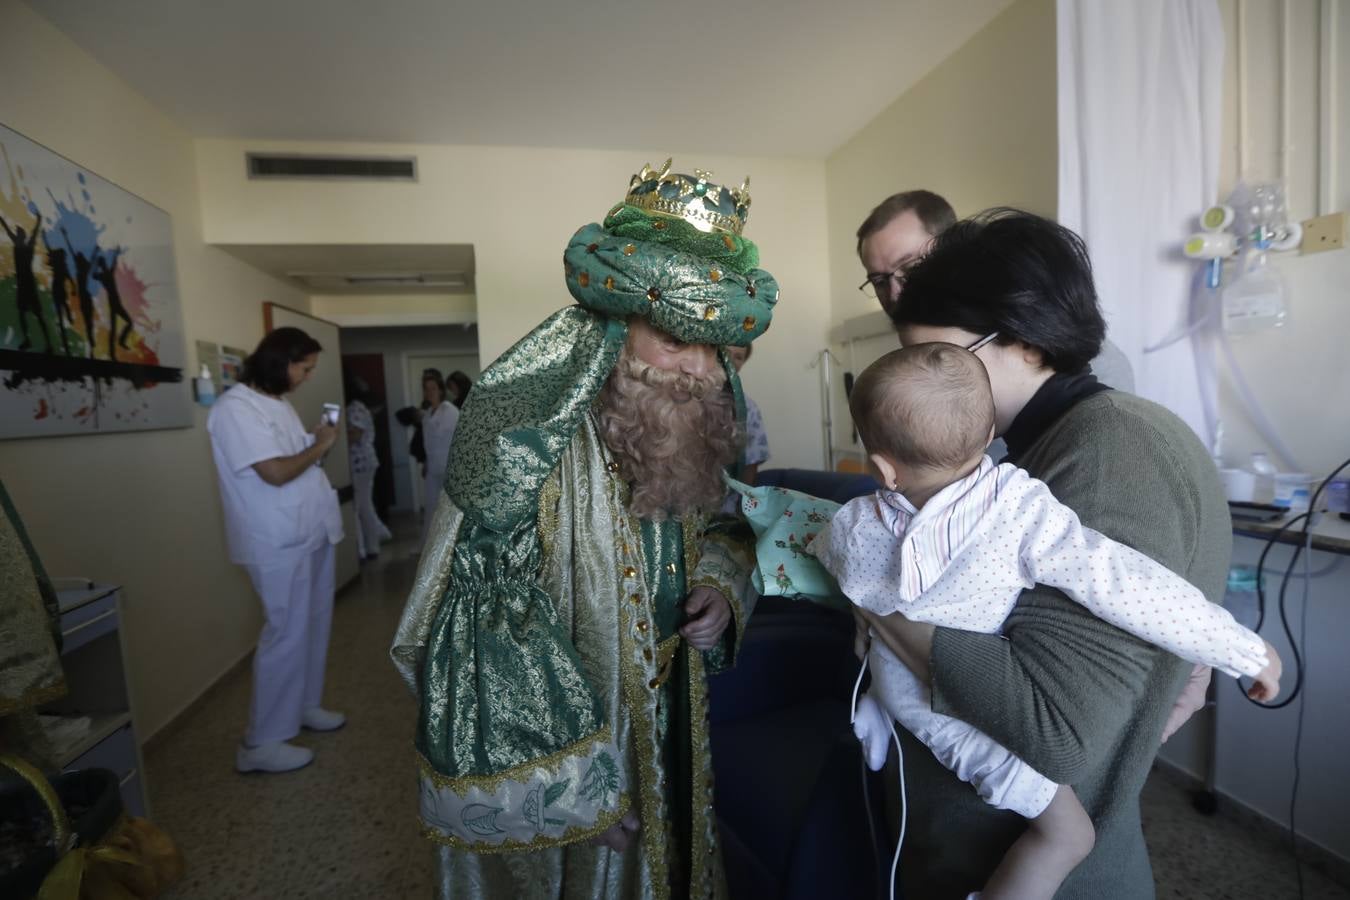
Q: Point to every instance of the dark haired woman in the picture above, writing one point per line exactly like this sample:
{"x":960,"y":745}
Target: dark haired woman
{"x":457,"y":387}
{"x":438,"y":431}
{"x":282,"y":520}
{"x":1083,"y":702}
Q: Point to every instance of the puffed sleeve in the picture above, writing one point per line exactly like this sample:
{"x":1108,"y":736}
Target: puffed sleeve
{"x":515,"y":751}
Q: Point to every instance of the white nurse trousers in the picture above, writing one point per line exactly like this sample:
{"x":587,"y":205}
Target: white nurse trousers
{"x":288,"y":666}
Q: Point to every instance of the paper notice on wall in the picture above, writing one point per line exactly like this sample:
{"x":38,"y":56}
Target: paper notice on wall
{"x":231,"y":366}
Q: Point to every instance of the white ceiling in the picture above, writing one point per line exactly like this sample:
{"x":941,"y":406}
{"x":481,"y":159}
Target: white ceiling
{"x":752,"y":77}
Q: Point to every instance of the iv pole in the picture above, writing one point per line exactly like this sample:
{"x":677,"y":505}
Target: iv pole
{"x":823,"y":360}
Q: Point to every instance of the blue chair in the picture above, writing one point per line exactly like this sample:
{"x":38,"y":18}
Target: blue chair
{"x":840,"y":487}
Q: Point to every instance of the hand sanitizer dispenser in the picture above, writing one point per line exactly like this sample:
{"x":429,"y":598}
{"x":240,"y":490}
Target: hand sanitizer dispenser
{"x":204,"y":387}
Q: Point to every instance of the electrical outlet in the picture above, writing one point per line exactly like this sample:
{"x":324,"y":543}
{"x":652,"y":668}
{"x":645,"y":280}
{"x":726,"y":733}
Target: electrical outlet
{"x":1324,"y":233}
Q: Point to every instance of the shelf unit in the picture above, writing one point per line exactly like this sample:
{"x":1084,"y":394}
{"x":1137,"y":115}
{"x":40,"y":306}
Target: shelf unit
{"x":93,"y":656}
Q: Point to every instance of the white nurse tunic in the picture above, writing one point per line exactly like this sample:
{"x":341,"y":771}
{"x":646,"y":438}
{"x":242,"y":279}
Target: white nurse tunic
{"x":283,"y":536}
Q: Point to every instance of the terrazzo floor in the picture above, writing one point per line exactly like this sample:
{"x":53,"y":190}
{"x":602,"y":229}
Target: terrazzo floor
{"x":345,"y":827}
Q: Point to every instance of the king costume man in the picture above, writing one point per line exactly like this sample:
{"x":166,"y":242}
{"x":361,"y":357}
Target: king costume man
{"x":575,"y":591}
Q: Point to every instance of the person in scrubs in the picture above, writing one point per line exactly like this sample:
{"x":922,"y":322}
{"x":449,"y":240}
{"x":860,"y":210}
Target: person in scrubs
{"x":282,"y":523}
{"x":438,"y":431}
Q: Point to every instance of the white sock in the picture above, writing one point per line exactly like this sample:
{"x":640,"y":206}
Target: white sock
{"x":873,"y":728}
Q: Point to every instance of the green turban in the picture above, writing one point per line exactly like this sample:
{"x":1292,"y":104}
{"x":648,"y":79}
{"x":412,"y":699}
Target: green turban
{"x":697,"y":282}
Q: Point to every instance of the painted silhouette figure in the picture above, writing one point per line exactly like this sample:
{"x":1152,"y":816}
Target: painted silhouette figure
{"x":25,"y":284}
{"x":56,"y":264}
{"x":105,"y":273}
{"x":82,"y":266}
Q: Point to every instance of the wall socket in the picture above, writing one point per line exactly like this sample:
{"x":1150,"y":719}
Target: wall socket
{"x":1323,"y":233}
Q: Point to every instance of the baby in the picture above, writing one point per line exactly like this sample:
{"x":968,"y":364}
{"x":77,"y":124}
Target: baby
{"x":952,"y":540}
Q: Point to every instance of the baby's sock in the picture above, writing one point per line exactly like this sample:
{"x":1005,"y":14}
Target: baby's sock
{"x":873,"y":728}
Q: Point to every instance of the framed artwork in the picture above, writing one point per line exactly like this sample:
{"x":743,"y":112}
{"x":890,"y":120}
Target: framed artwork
{"x":91,"y":332}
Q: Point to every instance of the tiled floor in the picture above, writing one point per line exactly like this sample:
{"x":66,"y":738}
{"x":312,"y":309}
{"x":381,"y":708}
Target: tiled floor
{"x":345,"y":827}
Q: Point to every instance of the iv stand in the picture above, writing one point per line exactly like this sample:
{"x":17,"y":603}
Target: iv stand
{"x":824,"y":357}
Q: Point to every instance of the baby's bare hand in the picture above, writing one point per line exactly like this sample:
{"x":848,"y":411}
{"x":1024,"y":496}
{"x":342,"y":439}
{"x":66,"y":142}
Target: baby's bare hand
{"x":1266,"y":687}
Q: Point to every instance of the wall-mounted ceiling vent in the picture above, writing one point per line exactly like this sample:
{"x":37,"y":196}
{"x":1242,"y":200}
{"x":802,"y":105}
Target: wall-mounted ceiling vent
{"x":370,"y":281}
{"x":423,"y":279}
{"x":364,"y":168}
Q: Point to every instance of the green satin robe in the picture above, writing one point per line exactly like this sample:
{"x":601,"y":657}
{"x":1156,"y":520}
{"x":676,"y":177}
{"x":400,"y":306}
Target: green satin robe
{"x":550,"y":708}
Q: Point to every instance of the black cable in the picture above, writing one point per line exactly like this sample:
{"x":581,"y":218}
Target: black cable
{"x":1261,"y":609}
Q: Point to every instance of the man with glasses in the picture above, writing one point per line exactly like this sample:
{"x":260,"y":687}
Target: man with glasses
{"x":896,"y":235}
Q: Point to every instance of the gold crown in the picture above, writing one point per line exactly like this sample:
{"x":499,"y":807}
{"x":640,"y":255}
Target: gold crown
{"x":706,"y":206}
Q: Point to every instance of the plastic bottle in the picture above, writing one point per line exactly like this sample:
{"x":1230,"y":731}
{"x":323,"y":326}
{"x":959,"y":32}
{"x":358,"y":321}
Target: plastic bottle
{"x":1264,"y":470}
{"x":206,"y":388}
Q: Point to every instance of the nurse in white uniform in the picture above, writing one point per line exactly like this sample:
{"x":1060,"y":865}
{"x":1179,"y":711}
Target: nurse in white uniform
{"x":282,"y":522}
{"x":438,"y":432}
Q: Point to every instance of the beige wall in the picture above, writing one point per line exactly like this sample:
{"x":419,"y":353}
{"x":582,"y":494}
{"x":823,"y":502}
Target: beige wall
{"x":136,"y":509}
{"x":980,"y":129}
{"x":518,"y":207}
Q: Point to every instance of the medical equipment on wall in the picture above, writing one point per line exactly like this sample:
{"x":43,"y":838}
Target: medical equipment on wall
{"x":1245,"y":230}
{"x":1214,"y":243}
{"x":1252,"y":223}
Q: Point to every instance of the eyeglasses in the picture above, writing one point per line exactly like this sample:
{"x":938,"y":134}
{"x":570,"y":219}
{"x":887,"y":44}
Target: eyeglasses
{"x":875,"y":283}
{"x":982,"y":341}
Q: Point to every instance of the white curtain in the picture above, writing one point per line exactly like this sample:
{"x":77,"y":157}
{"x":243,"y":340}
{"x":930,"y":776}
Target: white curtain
{"x":1140,"y":87}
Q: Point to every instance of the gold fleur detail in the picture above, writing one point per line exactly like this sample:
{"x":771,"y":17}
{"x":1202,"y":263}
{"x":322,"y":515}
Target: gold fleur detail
{"x":715,"y":275}
{"x":749,"y":323}
{"x":629,"y":249}
{"x":710,"y":313}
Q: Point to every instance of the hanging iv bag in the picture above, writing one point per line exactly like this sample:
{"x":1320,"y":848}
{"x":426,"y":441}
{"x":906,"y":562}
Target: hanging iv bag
{"x":1255,"y":299}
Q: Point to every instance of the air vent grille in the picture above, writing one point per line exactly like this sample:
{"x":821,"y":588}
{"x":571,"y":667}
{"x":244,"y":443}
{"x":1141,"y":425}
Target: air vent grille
{"x":365,"y":168}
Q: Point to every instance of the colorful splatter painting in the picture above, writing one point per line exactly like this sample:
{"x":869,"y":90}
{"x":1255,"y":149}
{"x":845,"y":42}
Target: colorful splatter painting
{"x":91,"y":336}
